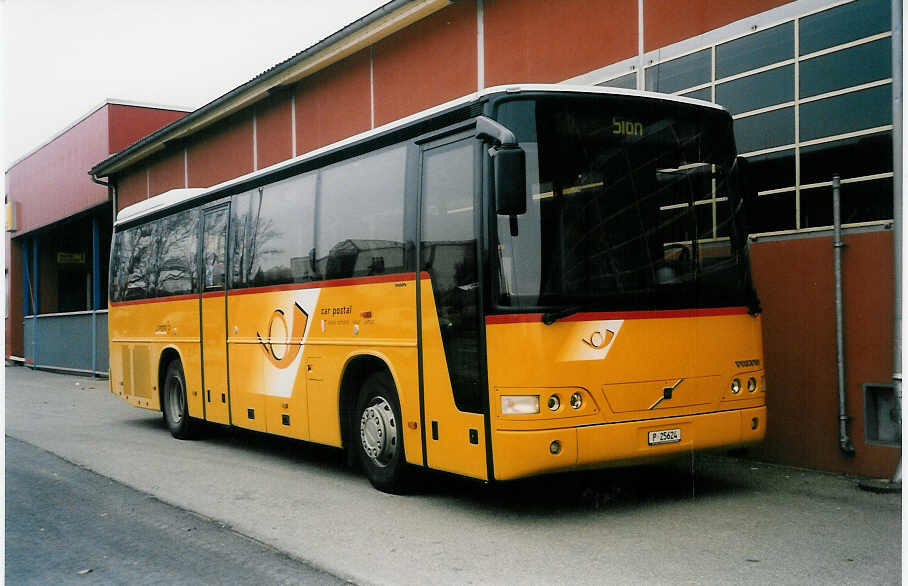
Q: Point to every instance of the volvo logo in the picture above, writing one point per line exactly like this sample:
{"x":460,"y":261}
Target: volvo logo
{"x":666,"y":394}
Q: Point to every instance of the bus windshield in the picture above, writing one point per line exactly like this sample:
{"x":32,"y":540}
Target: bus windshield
{"x":631,"y":205}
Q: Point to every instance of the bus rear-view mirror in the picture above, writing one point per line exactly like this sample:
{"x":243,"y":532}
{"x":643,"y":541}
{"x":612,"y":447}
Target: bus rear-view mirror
{"x":509,"y":168}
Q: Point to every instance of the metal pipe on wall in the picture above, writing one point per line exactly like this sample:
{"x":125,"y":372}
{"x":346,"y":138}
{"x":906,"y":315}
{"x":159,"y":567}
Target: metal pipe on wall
{"x":35,"y":302}
{"x":897,"y":79}
{"x":95,"y":293}
{"x":844,"y":442}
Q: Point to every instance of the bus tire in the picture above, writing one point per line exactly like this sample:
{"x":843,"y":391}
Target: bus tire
{"x":173,"y":399}
{"x":378,"y":435}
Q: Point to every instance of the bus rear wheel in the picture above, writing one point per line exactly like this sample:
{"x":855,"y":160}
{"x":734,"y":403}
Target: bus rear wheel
{"x":379,"y":437}
{"x":176,"y":413}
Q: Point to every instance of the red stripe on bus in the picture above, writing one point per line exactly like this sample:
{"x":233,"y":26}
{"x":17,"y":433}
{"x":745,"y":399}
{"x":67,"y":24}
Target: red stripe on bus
{"x":326,"y":284}
{"x":514,"y":318}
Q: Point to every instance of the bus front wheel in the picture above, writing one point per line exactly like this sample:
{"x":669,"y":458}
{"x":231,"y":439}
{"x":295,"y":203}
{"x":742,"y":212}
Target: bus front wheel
{"x":379,"y":437}
{"x":176,"y":413}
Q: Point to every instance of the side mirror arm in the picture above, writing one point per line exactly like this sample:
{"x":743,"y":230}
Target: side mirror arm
{"x":487,"y":130}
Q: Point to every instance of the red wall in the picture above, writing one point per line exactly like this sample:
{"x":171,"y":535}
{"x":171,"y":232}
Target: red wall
{"x":273,"y":130}
{"x":670,"y":21}
{"x":166,"y":172}
{"x":428,"y":63}
{"x":334,"y":103}
{"x":222,"y":152}
{"x":127,"y":124}
{"x":132,"y":187}
{"x":52,"y":183}
{"x":540,"y":41}
{"x":794,"y":279}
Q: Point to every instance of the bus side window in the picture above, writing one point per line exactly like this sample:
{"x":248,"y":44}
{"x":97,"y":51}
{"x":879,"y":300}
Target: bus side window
{"x":368,"y":193}
{"x":176,"y":272}
{"x":215,"y":246}
{"x":137,"y":260}
{"x":448,"y":251}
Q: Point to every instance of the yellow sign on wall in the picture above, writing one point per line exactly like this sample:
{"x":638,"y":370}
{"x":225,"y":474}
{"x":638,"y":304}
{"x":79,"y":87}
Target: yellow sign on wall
{"x":70,"y":258}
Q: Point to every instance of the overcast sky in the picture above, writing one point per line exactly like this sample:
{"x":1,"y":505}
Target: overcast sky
{"x":61,"y":58}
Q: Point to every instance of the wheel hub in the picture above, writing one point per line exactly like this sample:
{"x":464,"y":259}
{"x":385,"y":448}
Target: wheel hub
{"x":378,"y":431}
{"x":174,"y":401}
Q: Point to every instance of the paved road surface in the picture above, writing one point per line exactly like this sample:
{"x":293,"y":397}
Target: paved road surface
{"x":713,"y":521}
{"x":65,"y":524}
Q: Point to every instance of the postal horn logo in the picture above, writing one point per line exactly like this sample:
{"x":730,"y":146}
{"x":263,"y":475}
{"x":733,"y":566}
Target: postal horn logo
{"x":600,"y":339}
{"x":283,"y":341}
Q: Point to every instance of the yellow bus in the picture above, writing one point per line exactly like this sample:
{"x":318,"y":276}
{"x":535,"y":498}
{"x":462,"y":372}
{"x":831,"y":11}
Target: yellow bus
{"x":525,"y":280}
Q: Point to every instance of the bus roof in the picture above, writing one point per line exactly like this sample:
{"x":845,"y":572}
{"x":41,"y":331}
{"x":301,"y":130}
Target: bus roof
{"x":175,"y":197}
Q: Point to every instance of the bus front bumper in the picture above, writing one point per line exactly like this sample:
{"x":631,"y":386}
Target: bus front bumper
{"x":528,"y":453}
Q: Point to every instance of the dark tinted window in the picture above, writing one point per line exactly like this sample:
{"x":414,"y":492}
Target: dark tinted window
{"x":448,"y":253}
{"x":628,"y":82}
{"x":867,"y":201}
{"x":773,"y":170}
{"x":214,"y":248}
{"x":844,"y":24}
{"x":705,"y":94}
{"x":610,"y":223}
{"x":360,"y":213}
{"x":755,"y":50}
{"x":854,"y":66}
{"x":816,"y":207}
{"x":680,"y":73}
{"x":864,"y":201}
{"x":771,"y":213}
{"x":118,"y":271}
{"x":766,"y":130}
{"x":176,"y":272}
{"x":136,"y":252}
{"x":851,"y":157}
{"x":273,"y":233}
{"x":244,"y":210}
{"x":847,"y":113}
{"x":753,"y":92}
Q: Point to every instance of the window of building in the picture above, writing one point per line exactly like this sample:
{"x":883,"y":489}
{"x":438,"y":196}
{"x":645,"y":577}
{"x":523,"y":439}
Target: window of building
{"x":838,"y":121}
{"x":756,"y":50}
{"x":628,"y":82}
{"x":677,"y":74}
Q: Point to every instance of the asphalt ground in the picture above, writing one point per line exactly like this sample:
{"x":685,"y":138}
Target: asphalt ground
{"x":700,"y":520}
{"x":66,"y":524}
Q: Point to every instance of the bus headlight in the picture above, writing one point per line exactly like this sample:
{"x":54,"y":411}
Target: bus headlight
{"x":751,"y":385}
{"x":735,"y":387}
{"x":576,"y":401}
{"x":519,"y":404}
{"x":554,"y":403}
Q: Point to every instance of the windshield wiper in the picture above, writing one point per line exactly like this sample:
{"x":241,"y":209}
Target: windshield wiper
{"x":551,"y":317}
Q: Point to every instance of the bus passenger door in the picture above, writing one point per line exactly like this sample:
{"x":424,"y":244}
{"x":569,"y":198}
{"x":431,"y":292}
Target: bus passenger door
{"x":450,"y":309}
{"x":214,"y":314}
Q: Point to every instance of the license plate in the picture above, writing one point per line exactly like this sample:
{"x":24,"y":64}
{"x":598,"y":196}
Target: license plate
{"x":664,"y":436}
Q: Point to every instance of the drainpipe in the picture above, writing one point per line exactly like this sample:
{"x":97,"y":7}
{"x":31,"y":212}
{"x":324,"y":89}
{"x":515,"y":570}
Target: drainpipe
{"x":844,"y":442}
{"x":95,"y":291}
{"x":897,"y":80}
{"x":113,"y":193}
{"x":36,"y":298}
{"x":96,"y":277}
